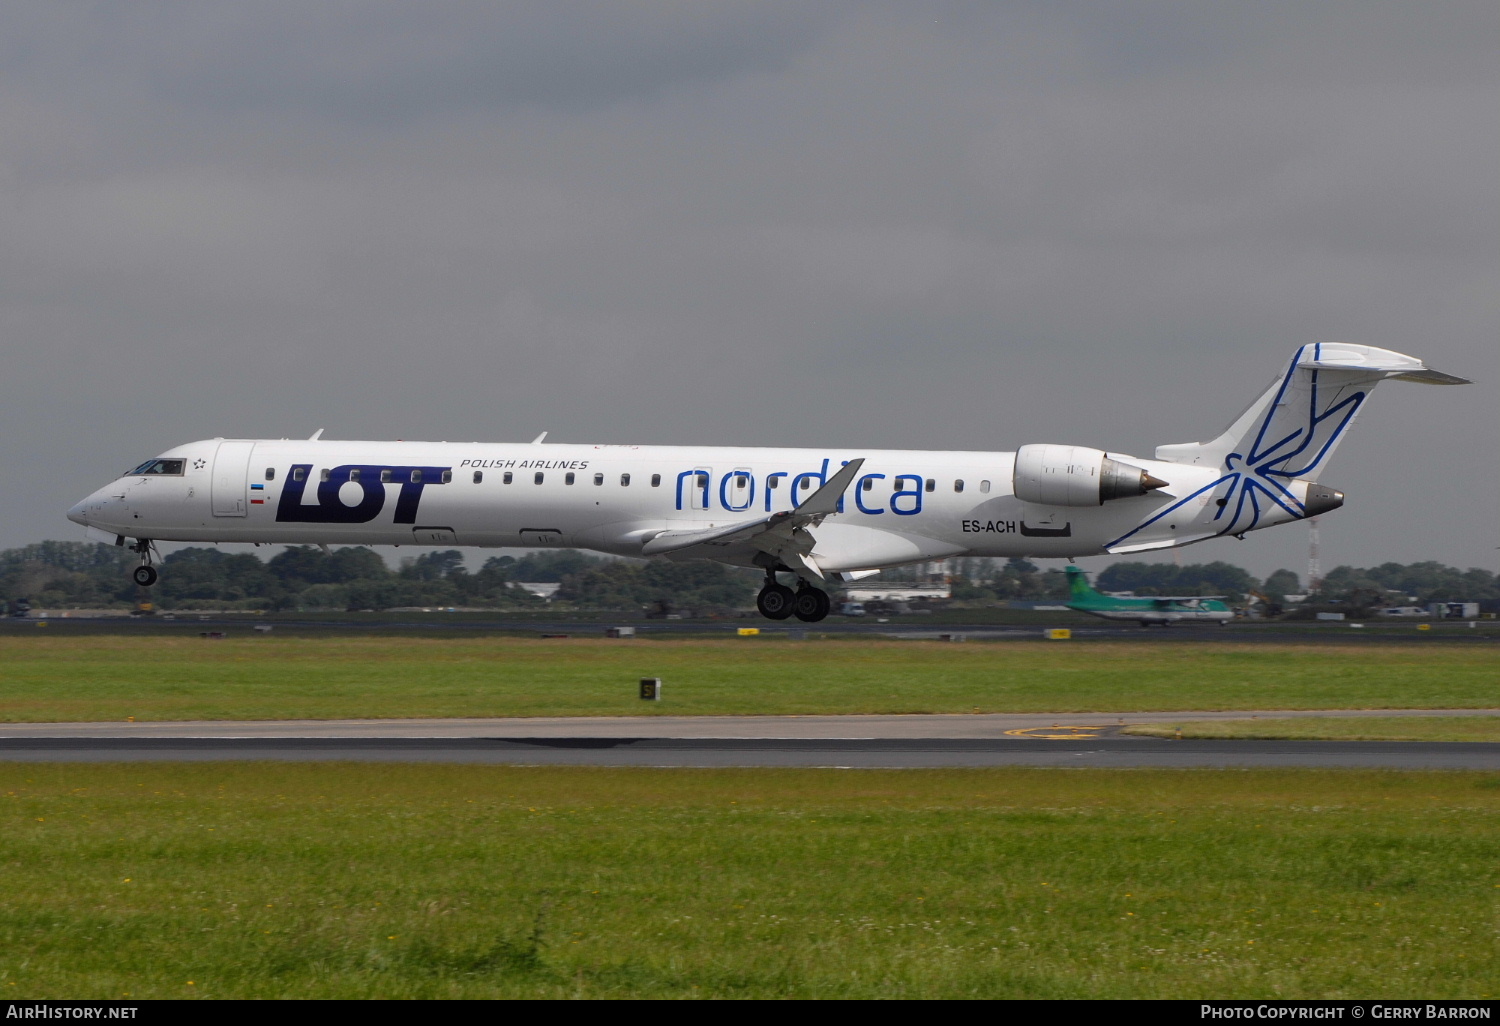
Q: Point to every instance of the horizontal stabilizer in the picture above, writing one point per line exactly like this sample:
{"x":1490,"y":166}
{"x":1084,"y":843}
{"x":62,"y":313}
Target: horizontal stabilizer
{"x":1428,"y":376}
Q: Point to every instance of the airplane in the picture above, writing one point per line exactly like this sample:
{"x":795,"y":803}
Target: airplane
{"x":1162,"y":609}
{"x":818,"y":514}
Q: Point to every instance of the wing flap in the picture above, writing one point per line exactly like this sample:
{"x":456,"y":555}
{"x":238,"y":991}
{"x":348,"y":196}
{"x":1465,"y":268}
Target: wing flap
{"x":671,"y":541}
{"x":821,"y":503}
{"x":1159,"y":543}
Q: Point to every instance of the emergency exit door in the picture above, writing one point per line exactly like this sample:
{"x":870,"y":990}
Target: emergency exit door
{"x":230,"y":479}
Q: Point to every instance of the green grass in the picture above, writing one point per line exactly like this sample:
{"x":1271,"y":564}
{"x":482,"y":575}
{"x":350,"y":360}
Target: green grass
{"x":1374,"y":728}
{"x":348,"y":880}
{"x":164,"y":678}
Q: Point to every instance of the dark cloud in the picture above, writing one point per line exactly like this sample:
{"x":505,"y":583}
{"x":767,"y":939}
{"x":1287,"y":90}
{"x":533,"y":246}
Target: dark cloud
{"x":945,"y":225}
{"x":389,"y":62}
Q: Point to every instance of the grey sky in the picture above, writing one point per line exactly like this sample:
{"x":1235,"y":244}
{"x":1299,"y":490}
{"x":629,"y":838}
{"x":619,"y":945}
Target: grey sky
{"x":968,"y":225}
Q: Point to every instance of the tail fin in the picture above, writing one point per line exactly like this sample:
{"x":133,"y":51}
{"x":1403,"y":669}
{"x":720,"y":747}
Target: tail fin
{"x":1294,"y":427}
{"x":1078,"y":585}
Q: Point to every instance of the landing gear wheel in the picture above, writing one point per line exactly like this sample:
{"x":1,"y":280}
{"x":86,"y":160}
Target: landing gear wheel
{"x":811,"y":605}
{"x":775,"y":601}
{"x":145,"y":576}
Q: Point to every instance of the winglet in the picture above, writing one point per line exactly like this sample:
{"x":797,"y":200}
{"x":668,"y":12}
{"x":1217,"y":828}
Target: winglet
{"x":826,"y":499}
{"x":316,"y":435}
{"x":538,"y":439}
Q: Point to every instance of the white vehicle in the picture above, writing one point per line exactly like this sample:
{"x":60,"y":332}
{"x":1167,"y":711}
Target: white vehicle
{"x":811,"y":513}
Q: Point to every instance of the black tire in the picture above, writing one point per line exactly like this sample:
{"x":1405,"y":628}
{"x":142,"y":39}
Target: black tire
{"x":775,"y":601}
{"x":145,"y":576}
{"x":811,"y":605}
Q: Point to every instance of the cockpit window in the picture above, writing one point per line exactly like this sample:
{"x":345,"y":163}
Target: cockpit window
{"x":159,"y":468}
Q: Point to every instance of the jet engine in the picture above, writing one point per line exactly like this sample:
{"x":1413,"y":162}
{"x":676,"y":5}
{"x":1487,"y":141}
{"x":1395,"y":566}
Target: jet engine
{"x":1073,"y":475}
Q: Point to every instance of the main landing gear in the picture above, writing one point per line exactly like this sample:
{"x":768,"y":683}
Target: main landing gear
{"x":145,"y":575}
{"x":777,"y":601}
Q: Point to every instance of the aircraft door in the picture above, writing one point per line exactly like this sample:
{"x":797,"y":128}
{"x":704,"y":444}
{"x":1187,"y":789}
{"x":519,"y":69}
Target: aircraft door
{"x":701,"y":484}
{"x":230,"y":478}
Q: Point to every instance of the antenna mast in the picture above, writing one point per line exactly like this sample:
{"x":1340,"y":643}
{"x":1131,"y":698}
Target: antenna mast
{"x":1314,"y":567}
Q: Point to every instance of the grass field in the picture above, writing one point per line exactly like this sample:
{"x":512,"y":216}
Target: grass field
{"x":106,"y":677}
{"x":1374,"y":728}
{"x":340,"y":880}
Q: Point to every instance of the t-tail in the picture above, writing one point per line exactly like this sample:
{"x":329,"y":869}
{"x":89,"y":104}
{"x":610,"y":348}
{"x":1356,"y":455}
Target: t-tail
{"x":1292,"y":430}
{"x":1264,"y":468}
{"x":1078,"y":586}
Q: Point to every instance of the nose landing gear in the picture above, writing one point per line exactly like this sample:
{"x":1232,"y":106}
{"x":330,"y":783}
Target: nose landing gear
{"x":145,"y":575}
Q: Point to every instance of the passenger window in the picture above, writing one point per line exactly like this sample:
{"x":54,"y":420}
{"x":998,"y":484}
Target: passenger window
{"x":325,"y":474}
{"x":416,"y":477}
{"x":932,"y":484}
{"x":598,"y":479}
{"x":958,"y":485}
{"x":354,"y":473}
{"x":774,"y":480}
{"x":478,"y":476}
{"x":447,"y":476}
{"x":538,"y":477}
{"x":868,"y":484}
{"x":741,"y":480}
{"x":984,"y":486}
{"x":385,"y":477}
{"x":508,"y":478}
{"x":299,"y":473}
{"x":624,"y":480}
{"x":569,"y":477}
{"x":655,"y":480}
{"x":270,"y":473}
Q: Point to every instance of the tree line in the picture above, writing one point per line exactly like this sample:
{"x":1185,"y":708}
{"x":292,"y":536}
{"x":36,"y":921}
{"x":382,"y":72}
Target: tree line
{"x":56,"y":574}
{"x":64,"y":575}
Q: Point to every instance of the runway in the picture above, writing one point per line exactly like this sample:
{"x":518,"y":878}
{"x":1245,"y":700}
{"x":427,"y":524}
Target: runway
{"x":852,"y":753}
{"x":1029,"y":739}
{"x":904,"y":628}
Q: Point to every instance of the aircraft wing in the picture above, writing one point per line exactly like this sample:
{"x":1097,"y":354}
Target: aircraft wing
{"x":1180,"y":598}
{"x":781,"y":534}
{"x":672,"y":541}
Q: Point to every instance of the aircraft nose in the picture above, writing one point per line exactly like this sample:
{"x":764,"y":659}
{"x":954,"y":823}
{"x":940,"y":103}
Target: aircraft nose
{"x":91,"y":509}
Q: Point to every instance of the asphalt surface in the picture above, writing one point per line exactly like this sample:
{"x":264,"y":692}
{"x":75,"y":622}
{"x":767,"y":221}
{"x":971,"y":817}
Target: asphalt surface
{"x":1036,"y":726}
{"x":1003,"y":739}
{"x":912,"y":628}
{"x":1105,"y":752}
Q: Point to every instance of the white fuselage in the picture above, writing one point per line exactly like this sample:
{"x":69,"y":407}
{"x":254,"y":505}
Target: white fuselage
{"x":905,"y":505}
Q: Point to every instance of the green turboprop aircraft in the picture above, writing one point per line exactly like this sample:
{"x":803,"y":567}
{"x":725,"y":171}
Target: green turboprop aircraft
{"x":1162,"y":609}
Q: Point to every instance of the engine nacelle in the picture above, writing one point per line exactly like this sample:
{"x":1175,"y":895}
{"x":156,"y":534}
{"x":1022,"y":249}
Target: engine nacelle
{"x":1074,"y":475}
